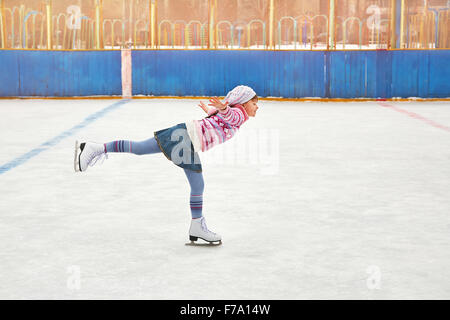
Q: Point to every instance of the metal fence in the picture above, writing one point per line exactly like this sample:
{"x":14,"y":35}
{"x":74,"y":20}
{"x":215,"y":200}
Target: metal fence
{"x":224,"y":24}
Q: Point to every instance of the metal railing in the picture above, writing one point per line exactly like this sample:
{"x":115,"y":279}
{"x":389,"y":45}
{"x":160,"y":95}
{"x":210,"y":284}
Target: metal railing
{"x":24,"y":28}
{"x":112,"y":23}
{"x":303,"y":33}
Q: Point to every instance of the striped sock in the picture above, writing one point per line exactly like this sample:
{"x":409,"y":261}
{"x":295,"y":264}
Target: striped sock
{"x":196,"y":205}
{"x":119,"y":146}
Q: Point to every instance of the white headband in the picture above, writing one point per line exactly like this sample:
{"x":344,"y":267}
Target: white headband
{"x":240,"y":95}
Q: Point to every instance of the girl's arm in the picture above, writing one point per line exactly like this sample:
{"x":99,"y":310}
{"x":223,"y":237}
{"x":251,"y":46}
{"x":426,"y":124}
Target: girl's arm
{"x":203,"y":106}
{"x":216,"y":106}
{"x":215,"y":102}
{"x":207,"y":110}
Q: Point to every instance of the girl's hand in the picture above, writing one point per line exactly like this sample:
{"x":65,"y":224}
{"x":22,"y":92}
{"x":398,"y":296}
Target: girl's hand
{"x":215,"y":102}
{"x":203,"y":106}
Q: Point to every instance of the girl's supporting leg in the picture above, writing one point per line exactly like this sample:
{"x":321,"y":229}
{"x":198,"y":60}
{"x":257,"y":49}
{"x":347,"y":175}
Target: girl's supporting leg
{"x":148,"y":146}
{"x":197,"y":186}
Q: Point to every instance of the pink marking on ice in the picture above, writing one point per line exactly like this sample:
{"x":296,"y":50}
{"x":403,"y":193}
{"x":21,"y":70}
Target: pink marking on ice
{"x":415,"y":116}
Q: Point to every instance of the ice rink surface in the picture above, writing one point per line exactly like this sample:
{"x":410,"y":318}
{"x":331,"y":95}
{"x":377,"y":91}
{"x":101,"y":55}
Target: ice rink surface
{"x":313,"y":201}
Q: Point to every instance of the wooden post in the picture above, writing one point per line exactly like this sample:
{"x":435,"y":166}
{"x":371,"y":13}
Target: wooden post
{"x":402,"y":25}
{"x":2,"y":24}
{"x":49,"y":24}
{"x":393,"y":25}
{"x":332,"y":26}
{"x":152,"y":23}
{"x":98,"y":25}
{"x":271,"y":21}
{"x":211,"y":42}
{"x":21,"y":18}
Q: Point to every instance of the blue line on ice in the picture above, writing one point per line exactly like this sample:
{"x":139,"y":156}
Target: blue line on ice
{"x":54,"y":141}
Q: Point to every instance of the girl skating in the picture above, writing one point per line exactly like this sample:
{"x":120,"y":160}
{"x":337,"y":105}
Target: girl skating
{"x":181,"y":144}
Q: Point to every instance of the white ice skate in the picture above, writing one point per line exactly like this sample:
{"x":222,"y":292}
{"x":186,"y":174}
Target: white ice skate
{"x":87,"y":154}
{"x":198,"y":230}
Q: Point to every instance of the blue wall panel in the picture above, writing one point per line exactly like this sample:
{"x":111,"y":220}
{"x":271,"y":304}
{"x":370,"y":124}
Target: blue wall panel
{"x":289,"y":74}
{"x":207,"y":73}
{"x":406,"y":70}
{"x":421,"y":73}
{"x":383,"y":74}
{"x":438,"y":84}
{"x":60,"y":73}
{"x":294,"y":74}
{"x":9,"y":74}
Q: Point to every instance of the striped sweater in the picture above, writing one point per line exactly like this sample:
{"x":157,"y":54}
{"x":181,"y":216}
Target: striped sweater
{"x":216,"y":129}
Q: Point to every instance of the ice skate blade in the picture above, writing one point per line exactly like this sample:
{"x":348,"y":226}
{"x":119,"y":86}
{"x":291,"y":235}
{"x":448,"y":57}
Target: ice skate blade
{"x":204,"y":244}
{"x":75,"y":162}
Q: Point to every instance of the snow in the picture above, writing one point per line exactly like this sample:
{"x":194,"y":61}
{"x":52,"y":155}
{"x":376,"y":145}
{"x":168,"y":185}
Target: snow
{"x":329,"y":201}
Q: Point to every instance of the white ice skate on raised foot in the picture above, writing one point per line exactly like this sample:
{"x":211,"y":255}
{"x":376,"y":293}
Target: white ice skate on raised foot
{"x":87,"y":154}
{"x":198,"y":230}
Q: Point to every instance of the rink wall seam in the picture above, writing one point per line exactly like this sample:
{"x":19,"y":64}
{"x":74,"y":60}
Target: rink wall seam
{"x":311,"y":75}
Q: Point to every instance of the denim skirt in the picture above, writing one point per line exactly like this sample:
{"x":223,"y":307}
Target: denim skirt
{"x":177,"y":146}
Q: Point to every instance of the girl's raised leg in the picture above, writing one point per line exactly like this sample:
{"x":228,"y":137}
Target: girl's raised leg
{"x":88,"y":153}
{"x":148,"y":146}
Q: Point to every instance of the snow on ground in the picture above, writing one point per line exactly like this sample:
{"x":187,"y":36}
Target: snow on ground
{"x":328,"y":201}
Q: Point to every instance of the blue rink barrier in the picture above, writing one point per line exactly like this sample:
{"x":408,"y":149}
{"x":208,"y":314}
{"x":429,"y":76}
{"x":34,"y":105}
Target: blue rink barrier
{"x":294,"y":74}
{"x":288,"y":74}
{"x":25,"y":73}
